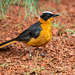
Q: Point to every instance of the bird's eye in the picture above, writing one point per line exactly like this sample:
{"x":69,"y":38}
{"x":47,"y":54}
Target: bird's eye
{"x":48,"y":15}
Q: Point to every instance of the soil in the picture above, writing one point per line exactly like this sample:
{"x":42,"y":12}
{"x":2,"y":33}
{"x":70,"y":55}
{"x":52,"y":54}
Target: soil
{"x":15,"y":59}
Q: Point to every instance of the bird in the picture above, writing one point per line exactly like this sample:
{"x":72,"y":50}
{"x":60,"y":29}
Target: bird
{"x":38,"y":34}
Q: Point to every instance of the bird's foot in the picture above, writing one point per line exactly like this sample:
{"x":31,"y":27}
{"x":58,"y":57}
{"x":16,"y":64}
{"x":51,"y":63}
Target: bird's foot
{"x":42,"y":54}
{"x":45,"y":55}
{"x":30,"y":53}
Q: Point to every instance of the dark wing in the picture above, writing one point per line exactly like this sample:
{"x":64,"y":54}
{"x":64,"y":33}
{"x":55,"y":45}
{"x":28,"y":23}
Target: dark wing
{"x":32,"y":31}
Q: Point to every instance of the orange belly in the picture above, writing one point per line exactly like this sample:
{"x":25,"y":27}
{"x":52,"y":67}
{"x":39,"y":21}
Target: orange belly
{"x":42,"y":39}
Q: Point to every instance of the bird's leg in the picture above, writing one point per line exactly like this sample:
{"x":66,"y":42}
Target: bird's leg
{"x":43,"y":53}
{"x":30,"y":53}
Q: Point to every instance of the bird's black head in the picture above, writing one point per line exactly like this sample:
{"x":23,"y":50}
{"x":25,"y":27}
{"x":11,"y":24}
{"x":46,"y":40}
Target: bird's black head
{"x":47,"y":15}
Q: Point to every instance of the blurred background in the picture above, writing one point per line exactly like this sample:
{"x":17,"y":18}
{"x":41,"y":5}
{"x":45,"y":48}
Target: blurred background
{"x":18,"y":15}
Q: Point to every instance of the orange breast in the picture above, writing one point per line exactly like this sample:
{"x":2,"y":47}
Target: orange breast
{"x":43,"y":38}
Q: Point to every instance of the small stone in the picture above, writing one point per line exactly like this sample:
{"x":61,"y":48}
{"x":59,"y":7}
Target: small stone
{"x":27,"y":56}
{"x":8,"y":60}
{"x":73,"y":35}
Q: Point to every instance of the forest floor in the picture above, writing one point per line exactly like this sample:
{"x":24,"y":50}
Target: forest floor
{"x":15,"y":59}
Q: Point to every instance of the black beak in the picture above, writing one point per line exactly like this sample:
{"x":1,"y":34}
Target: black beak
{"x":55,"y":15}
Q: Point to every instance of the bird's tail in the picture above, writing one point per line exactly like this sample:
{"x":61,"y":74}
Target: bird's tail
{"x":7,"y":43}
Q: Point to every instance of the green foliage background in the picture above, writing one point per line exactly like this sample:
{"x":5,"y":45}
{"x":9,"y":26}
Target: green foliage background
{"x":31,"y":6}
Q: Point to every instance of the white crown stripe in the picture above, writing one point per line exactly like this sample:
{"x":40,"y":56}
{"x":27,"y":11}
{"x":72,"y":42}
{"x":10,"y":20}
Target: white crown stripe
{"x":47,"y":12}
